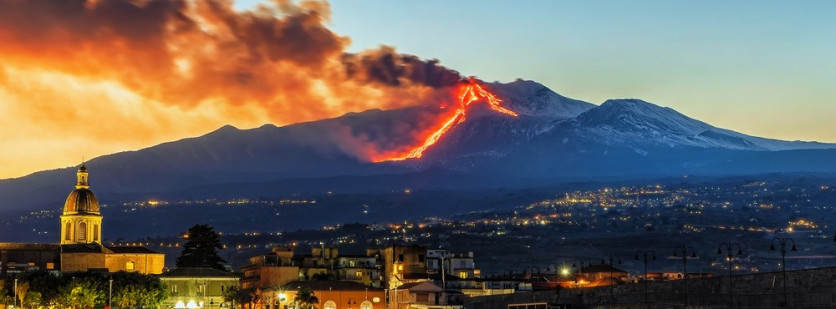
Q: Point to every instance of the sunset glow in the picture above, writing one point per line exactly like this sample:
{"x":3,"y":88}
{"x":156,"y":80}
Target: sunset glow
{"x":83,"y":79}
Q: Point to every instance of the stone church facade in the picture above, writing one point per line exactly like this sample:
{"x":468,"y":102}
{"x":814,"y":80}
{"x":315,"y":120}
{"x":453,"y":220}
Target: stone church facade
{"x":79,"y":247}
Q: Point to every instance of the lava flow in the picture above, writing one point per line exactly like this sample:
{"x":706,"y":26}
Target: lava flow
{"x":467,"y":94}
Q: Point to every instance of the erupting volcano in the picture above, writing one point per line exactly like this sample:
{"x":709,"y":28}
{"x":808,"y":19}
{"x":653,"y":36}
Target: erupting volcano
{"x":468,"y":93}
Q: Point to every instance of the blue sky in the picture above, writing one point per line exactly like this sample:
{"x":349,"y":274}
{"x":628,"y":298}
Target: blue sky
{"x":765,"y":68}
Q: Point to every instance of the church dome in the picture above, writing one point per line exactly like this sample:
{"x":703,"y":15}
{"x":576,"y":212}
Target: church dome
{"x":81,"y":201}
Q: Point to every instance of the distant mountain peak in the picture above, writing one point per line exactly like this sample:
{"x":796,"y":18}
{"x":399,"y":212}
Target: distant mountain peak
{"x":530,"y":98}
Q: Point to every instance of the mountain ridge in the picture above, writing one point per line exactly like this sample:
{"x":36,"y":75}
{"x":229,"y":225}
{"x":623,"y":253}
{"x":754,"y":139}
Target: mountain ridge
{"x":554,"y":137}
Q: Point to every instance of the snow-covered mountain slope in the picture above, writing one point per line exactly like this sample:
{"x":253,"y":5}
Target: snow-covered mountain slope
{"x":634,"y":121}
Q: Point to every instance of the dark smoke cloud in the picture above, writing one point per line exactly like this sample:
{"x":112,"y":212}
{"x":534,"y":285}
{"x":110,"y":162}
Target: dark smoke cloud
{"x":387,"y":67}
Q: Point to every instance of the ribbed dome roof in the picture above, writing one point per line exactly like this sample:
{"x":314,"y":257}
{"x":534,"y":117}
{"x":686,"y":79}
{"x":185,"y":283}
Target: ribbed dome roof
{"x":81,"y":201}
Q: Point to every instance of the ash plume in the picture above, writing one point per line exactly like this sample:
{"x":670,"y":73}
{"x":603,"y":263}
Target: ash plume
{"x":179,"y":68}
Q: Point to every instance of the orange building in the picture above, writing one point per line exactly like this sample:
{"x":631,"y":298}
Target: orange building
{"x":333,"y":294}
{"x":270,"y":270}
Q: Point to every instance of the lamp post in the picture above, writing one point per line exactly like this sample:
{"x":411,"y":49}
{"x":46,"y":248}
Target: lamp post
{"x":611,"y":258}
{"x":646,"y":256}
{"x":14,"y":303}
{"x":110,"y":293}
{"x":579,"y":264}
{"x":729,"y":246}
{"x":783,"y":243}
{"x":683,"y":250}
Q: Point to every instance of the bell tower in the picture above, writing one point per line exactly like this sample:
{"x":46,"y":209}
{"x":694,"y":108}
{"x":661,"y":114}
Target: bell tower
{"x":81,"y":220}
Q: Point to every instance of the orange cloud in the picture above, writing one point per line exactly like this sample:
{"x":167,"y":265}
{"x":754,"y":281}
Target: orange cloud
{"x":85,"y":78}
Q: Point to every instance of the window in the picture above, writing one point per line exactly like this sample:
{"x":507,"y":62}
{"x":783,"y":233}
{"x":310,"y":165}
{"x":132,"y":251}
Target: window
{"x":81,"y":234}
{"x":330,"y":305}
{"x":421,"y":258}
{"x":358,"y":274}
{"x":400,"y":267}
{"x":130,"y":266}
{"x":400,"y":257}
{"x":351,"y":263}
{"x":50,"y":265}
{"x":173,"y":289}
{"x":366,"y":305}
{"x":95,"y":232}
{"x":463,"y":274}
{"x":68,"y":231}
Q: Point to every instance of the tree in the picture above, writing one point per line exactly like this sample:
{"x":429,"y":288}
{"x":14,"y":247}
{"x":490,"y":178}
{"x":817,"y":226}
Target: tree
{"x":33,"y":299}
{"x":47,"y":285}
{"x":131,"y":290}
{"x":5,"y":293}
{"x":22,"y":289}
{"x":84,"y":292}
{"x":201,"y":248}
{"x":306,"y":298}
{"x":235,"y":295}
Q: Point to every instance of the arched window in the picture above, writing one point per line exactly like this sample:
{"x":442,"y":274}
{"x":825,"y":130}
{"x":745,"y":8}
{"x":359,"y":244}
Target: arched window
{"x":81,"y":233}
{"x":330,"y":305}
{"x":95,"y":232}
{"x":68,"y":231}
{"x":366,"y":305}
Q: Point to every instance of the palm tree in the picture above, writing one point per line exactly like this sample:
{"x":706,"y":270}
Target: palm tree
{"x":306,"y":298}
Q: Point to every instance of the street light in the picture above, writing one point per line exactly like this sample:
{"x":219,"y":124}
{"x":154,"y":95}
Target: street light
{"x":683,"y":250}
{"x":645,"y":255}
{"x":729,"y":246}
{"x":783,"y":242}
{"x":580,"y":270}
{"x":611,"y":258}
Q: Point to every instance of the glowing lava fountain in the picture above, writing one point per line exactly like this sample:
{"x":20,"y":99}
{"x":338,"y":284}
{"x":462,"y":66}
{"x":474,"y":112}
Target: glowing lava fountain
{"x":467,"y":93}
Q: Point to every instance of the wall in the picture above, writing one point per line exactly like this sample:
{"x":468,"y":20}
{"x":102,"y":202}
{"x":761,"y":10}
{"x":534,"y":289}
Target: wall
{"x":814,"y":288}
{"x":146,"y":263}
{"x":72,"y":262}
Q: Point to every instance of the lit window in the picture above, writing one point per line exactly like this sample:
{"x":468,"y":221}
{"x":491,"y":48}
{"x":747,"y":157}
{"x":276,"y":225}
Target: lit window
{"x":400,"y":267}
{"x":50,"y":265}
{"x":366,"y":305}
{"x":358,"y":274}
{"x":330,"y":305}
{"x":130,"y":266}
{"x":463,"y":274}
